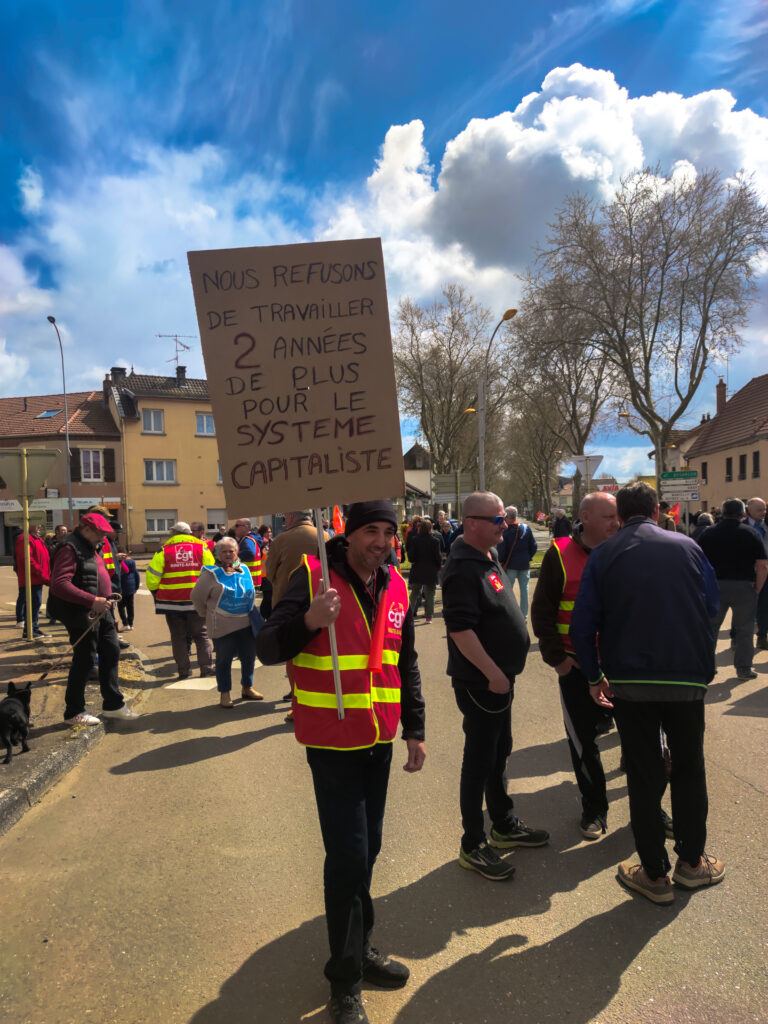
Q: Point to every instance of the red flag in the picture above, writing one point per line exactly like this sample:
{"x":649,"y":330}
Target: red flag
{"x":675,"y":513}
{"x":338,"y":521}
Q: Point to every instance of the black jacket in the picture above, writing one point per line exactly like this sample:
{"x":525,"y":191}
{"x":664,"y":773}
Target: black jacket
{"x":425,"y":555}
{"x":477,"y":595}
{"x":284,"y":635}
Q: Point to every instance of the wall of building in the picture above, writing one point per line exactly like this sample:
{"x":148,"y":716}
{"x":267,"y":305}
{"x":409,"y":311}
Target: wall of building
{"x":195,"y":493}
{"x":717,"y":488}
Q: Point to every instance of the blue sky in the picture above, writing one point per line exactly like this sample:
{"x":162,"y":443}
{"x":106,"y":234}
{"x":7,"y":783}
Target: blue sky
{"x":131,"y":132}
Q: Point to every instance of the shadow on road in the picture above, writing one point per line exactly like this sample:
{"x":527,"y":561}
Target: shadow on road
{"x":282,"y":982}
{"x":201,"y":748}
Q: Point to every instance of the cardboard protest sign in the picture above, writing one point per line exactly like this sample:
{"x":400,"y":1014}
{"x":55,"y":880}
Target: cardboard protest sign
{"x":298,"y":356}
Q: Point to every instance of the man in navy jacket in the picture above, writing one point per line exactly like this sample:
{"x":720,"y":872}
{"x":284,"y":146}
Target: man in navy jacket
{"x":517,"y":548}
{"x":650,"y":595}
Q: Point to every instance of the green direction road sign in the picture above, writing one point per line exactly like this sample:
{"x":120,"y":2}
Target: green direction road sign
{"x":680,"y":474}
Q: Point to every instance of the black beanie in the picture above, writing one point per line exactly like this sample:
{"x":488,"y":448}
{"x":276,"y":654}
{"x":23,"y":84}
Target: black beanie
{"x":364,"y":512}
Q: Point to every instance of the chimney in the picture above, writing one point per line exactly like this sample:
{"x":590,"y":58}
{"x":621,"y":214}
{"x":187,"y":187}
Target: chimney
{"x":107,"y":387}
{"x":118,"y":373}
{"x":25,"y":404}
{"x":181,"y":374}
{"x":720,"y":396}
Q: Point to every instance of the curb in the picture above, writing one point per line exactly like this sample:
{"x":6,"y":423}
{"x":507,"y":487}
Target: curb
{"x":76,"y":743}
{"x":15,"y":802}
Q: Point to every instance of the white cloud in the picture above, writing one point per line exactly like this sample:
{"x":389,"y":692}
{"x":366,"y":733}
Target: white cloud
{"x":12,"y":371}
{"x":116,"y":243}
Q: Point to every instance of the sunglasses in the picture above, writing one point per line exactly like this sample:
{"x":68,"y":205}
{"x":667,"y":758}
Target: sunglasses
{"x":496,"y":520}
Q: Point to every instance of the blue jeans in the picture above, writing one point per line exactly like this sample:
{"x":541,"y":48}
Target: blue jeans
{"x":522,"y":576}
{"x":21,"y":606}
{"x":241,"y":643}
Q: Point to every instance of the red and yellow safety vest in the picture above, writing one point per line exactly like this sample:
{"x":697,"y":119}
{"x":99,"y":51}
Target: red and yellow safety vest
{"x":371,"y":697}
{"x":573,"y":558}
{"x":183,"y":560}
{"x":256,"y":567}
{"x":109,"y":558}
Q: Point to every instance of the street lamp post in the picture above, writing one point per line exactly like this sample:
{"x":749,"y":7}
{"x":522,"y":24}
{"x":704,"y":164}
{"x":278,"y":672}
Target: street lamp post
{"x":68,"y":459}
{"x":481,"y":402}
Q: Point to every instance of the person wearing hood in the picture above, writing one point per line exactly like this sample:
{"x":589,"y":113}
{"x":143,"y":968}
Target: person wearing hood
{"x":487,"y":646}
{"x":350,"y":758}
{"x":171,"y":576}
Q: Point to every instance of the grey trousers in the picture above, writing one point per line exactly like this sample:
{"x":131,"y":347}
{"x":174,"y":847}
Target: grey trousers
{"x":740,"y":597}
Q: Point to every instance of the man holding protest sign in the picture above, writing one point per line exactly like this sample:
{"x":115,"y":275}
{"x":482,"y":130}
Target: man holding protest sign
{"x":350,"y":757}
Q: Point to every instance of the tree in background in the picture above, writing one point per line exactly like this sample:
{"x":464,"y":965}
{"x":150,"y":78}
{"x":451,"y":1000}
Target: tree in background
{"x":439,"y":355}
{"x":662,"y":278}
{"x":555,"y":364}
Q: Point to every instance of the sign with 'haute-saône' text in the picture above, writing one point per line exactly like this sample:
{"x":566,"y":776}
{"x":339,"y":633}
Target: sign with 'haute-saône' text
{"x":298,"y":356}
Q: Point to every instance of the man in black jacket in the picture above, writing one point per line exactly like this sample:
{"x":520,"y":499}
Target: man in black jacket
{"x":350,"y":770}
{"x":487,"y":646}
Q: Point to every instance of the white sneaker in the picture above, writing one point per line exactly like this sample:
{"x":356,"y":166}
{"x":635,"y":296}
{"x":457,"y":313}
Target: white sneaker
{"x":83,"y":719}
{"x":124,"y":712}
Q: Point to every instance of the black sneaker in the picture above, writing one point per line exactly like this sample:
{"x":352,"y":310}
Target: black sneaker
{"x":347,"y":1009}
{"x":519,"y":835}
{"x":383,"y":971}
{"x":669,"y":826}
{"x":745,"y":673}
{"x":591,"y":828}
{"x":486,"y":862}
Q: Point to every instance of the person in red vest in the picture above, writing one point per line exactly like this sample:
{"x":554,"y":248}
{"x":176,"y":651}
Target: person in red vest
{"x":171,"y":576}
{"x":197,"y":529}
{"x":249,"y":551}
{"x":551,"y":610}
{"x":350,"y":758}
{"x":39,"y":574}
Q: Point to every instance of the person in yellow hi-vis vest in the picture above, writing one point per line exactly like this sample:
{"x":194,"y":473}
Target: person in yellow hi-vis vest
{"x":171,"y":575}
{"x":350,"y":759}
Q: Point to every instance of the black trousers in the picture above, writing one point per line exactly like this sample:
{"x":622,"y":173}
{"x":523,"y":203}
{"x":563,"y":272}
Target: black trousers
{"x":351,"y":794}
{"x":101,"y":640}
{"x":582,"y":719}
{"x":638,"y":723}
{"x":125,"y":608}
{"x":487,"y":745}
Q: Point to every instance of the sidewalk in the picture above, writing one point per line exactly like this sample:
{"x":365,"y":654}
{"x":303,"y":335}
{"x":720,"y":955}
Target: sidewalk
{"x":55,"y":747}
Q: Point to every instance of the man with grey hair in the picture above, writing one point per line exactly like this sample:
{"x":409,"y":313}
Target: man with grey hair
{"x":741,"y":566}
{"x":171,"y":575}
{"x":756,"y":519}
{"x":487,"y":646}
{"x":515,"y":551}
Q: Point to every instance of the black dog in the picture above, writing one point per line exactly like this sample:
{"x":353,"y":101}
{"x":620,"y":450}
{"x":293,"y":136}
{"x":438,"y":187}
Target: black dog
{"x":14,"y":719}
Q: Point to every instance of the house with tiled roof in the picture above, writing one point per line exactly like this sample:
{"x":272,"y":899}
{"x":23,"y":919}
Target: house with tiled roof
{"x":94,"y":459}
{"x":170,"y":455}
{"x":730,"y":450}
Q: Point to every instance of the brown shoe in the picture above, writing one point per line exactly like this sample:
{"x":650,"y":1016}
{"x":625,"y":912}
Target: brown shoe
{"x":709,"y":871}
{"x":657,"y":890}
{"x":225,"y":700}
{"x":248,"y":693}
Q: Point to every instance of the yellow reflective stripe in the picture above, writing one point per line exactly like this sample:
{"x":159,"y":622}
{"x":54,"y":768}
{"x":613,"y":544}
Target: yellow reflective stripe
{"x":311,"y":699}
{"x":386,"y":694}
{"x":563,"y":627}
{"x":347,"y":662}
{"x":567,"y":606}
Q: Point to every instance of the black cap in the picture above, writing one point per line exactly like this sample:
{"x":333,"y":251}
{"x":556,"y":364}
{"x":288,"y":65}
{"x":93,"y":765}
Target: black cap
{"x":364,"y":512}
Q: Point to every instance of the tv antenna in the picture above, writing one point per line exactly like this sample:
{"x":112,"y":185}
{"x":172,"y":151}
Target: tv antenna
{"x":180,"y":346}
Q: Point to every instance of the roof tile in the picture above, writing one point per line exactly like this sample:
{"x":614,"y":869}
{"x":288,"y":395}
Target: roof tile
{"x":744,"y":418}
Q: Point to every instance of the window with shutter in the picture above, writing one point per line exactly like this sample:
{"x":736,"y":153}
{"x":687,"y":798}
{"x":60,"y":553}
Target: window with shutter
{"x":74,"y":466}
{"x":109,"y":465}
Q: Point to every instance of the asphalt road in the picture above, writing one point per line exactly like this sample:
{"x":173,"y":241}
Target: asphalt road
{"x":175,"y":876}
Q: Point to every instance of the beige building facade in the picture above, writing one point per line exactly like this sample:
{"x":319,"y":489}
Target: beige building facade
{"x":169,"y":452}
{"x":730,"y":450}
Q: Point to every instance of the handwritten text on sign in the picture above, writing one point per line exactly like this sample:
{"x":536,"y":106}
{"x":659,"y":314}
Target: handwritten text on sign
{"x":298,"y":357}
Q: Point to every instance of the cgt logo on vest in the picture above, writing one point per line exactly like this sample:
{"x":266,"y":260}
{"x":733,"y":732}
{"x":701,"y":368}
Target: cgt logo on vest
{"x":396,"y":618}
{"x":184,"y":554}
